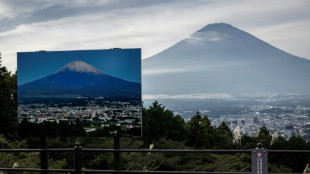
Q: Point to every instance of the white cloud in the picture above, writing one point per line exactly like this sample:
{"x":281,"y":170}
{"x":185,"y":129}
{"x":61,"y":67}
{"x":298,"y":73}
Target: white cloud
{"x":188,"y":96}
{"x":11,"y":9}
{"x":292,"y":37}
{"x":154,"y":26}
{"x":163,"y":71}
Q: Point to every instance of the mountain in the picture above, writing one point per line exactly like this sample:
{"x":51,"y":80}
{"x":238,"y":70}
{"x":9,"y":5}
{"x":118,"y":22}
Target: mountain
{"x":79,"y":79}
{"x":221,"y":59}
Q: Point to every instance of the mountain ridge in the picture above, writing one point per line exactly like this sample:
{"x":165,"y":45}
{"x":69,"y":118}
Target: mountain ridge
{"x":78,"y":78}
{"x":79,"y":66}
{"x":220,"y":58}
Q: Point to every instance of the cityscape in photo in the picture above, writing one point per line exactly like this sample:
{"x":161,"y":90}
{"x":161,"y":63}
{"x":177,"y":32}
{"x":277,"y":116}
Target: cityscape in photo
{"x":98,"y":89}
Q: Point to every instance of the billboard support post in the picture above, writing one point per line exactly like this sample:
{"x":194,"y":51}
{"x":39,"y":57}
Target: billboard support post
{"x":77,"y":161}
{"x":117,"y":155}
{"x":43,"y":155}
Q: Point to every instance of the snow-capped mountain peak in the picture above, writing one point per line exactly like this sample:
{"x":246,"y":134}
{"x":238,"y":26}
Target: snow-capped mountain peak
{"x":80,"y":66}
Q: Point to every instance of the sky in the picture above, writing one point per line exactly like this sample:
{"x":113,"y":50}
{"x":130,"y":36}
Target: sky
{"x":153,"y":25}
{"x":121,"y":63}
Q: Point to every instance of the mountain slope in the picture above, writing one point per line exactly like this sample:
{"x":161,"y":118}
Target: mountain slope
{"x":79,"y":79}
{"x":220,"y":58}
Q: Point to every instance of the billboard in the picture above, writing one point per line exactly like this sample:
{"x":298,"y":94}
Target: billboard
{"x":97,"y":89}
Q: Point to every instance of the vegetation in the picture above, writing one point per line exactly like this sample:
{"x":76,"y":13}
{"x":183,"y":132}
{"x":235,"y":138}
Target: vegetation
{"x":162,"y":129}
{"x":8,"y":102}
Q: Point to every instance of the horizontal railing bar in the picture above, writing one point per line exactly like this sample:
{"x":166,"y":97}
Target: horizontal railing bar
{"x":148,"y":150}
{"x":164,"y":150}
{"x":137,"y":171}
{"x":283,"y":173}
{"x":288,"y":151}
{"x":38,"y":150}
{"x":121,"y":171}
{"x":36,"y":170}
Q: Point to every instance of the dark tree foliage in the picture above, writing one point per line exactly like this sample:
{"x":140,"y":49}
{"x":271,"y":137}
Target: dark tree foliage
{"x":160,"y":123}
{"x":298,"y":161}
{"x":27,"y":129}
{"x":8,"y":102}
{"x":248,"y":142}
{"x":200,"y":133}
{"x":224,"y":137}
{"x":195,"y":135}
{"x":264,"y":137}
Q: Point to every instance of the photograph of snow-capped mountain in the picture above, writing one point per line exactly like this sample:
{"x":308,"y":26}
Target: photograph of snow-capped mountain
{"x":96,"y":88}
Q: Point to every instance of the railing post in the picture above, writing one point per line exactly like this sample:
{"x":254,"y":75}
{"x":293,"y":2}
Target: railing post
{"x":77,"y":161}
{"x":43,"y":154}
{"x":259,"y":160}
{"x":117,"y":155}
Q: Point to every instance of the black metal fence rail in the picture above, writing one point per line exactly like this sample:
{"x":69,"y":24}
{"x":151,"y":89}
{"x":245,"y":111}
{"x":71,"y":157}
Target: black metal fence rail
{"x":165,"y":150}
{"x":78,"y":150}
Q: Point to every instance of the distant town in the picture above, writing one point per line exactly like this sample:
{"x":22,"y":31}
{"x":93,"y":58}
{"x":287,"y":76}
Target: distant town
{"x":285,"y":120}
{"x":92,"y":114}
{"x":285,"y":116}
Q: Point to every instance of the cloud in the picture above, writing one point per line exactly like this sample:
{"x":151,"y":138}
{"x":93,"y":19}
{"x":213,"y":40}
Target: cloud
{"x":163,"y":71}
{"x":292,"y":37}
{"x":188,"y":96}
{"x":150,"y":25}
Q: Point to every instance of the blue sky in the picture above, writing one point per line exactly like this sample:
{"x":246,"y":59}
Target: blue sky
{"x":153,"y":25}
{"x":121,"y":63}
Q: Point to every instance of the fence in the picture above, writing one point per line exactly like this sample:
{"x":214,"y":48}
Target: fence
{"x":259,"y":157}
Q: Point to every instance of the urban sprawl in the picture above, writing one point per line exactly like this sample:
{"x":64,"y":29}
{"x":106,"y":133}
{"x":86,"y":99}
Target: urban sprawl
{"x":91,"y":115}
{"x":285,"y":120}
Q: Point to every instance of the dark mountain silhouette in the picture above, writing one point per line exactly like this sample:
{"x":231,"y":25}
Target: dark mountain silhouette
{"x":81,"y":80}
{"x":220,"y":58}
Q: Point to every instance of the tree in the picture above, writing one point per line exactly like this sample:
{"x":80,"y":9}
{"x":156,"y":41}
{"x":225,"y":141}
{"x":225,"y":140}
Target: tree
{"x":154,"y":122}
{"x":263,"y":132}
{"x":8,"y":102}
{"x":224,"y":129}
{"x":297,"y":161}
{"x":209,"y":130}
{"x":264,"y":137}
{"x":177,"y":131}
{"x":196,"y":133}
{"x":161,"y":123}
{"x":223,"y":136}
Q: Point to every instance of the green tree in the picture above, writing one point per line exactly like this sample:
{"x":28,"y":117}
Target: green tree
{"x":248,"y":142}
{"x":25,"y":129}
{"x":177,"y":131}
{"x":161,"y":123}
{"x":298,"y":161}
{"x":264,"y":137}
{"x":196,"y":133}
{"x":210,"y":132}
{"x":154,"y":122}
{"x":8,"y":102}
{"x":223,"y":137}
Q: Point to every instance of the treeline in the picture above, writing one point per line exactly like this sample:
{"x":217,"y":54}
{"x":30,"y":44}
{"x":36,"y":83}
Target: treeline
{"x":198,"y":133}
{"x":27,"y":129}
{"x":8,"y":102}
{"x":161,"y":129}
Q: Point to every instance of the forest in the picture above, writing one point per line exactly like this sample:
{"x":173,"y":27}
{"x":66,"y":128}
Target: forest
{"x":162,"y":129}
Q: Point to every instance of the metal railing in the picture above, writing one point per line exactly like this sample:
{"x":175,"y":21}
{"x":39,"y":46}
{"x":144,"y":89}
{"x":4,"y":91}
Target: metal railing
{"x":259,"y":159}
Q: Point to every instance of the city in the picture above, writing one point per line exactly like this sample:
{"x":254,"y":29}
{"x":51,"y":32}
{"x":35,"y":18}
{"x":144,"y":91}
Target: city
{"x":92,"y":115}
{"x":285,"y":120}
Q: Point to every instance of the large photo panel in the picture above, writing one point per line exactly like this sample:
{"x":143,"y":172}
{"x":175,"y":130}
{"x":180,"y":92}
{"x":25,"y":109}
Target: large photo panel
{"x":97,"y":90}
